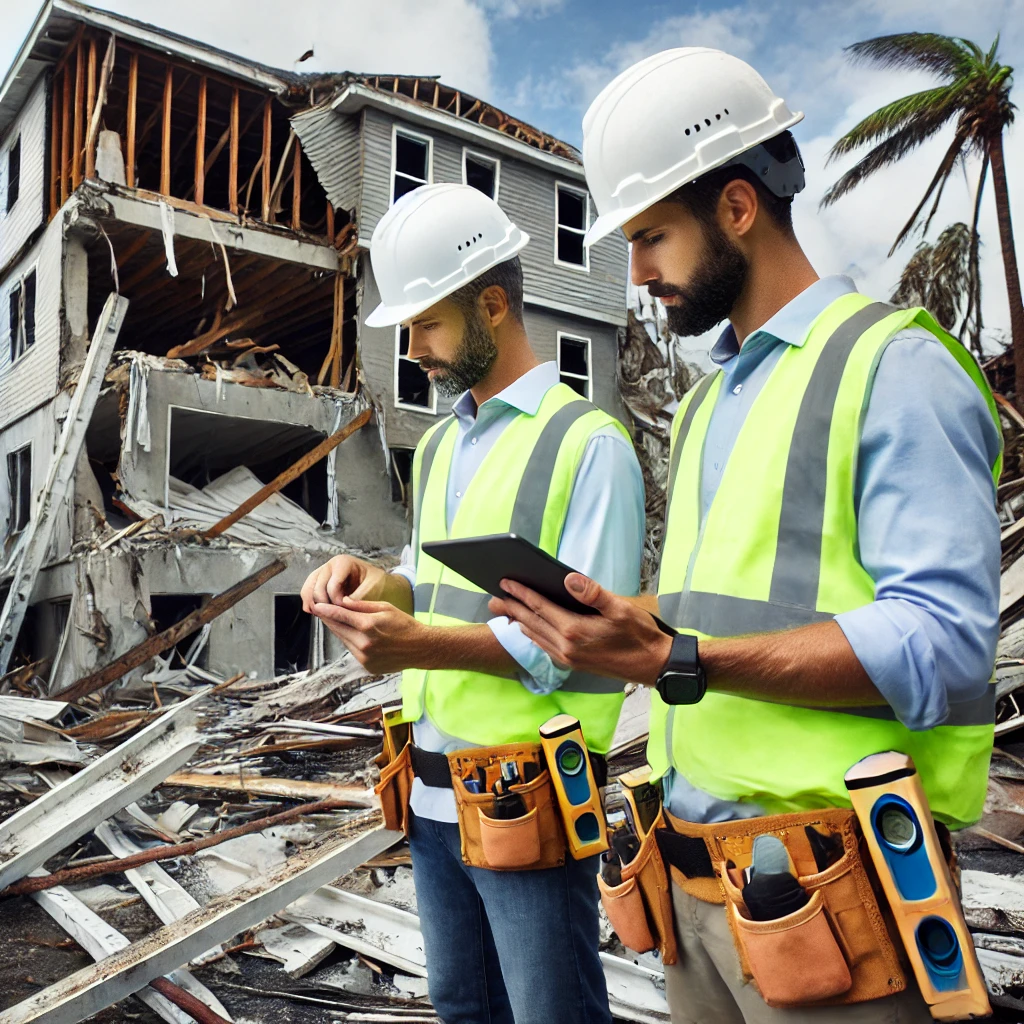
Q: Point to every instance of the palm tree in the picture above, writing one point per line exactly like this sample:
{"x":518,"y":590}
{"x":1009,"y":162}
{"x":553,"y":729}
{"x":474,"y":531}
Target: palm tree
{"x":940,"y":276}
{"x":975,"y":97}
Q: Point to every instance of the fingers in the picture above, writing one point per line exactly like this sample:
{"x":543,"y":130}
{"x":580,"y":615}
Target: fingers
{"x":544,"y":634}
{"x":346,"y":574}
{"x":540,"y":606}
{"x":343,"y":616}
{"x":366,"y":607}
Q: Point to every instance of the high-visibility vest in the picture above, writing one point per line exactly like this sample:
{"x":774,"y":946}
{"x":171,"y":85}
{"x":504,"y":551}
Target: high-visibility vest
{"x":523,"y":486}
{"x":778,"y":549}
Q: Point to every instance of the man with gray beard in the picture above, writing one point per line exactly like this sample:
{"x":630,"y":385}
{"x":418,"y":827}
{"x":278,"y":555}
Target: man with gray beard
{"x":505,"y":944}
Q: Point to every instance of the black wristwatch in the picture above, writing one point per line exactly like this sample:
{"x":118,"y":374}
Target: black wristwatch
{"x":682,"y":680}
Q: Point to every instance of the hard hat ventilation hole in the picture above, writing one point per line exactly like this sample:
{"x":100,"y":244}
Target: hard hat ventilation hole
{"x":460,"y":248}
{"x":696,"y":127}
{"x":707,"y":121}
{"x":718,"y":117}
{"x":726,"y":110}
{"x":687,"y":131}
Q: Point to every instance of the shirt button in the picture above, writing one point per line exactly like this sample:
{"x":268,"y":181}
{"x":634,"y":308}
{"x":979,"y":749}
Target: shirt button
{"x":474,"y":441}
{"x":458,"y":494}
{"x":736,"y":390}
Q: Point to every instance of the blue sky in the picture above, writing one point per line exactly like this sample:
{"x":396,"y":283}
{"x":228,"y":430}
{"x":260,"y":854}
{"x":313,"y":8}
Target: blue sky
{"x":544,"y":60}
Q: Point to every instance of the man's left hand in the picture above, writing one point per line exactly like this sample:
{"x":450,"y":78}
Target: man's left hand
{"x":382,"y":638}
{"x":622,"y":641}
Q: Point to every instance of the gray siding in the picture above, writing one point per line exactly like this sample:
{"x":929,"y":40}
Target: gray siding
{"x":527,"y":194}
{"x":332,"y":143}
{"x":27,"y":214}
{"x":32,"y":380}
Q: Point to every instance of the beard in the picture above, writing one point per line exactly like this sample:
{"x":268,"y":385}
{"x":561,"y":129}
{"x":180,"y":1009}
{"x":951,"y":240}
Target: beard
{"x":473,"y":360}
{"x":714,"y":288}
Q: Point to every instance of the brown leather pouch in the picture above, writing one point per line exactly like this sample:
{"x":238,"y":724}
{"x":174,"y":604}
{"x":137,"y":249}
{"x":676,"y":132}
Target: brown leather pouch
{"x":530,"y":842}
{"x":835,"y":950}
{"x":640,"y":908}
{"x":396,"y":776}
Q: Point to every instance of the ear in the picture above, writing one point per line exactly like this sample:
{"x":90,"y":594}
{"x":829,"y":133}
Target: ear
{"x":737,"y":207}
{"x":493,"y":304}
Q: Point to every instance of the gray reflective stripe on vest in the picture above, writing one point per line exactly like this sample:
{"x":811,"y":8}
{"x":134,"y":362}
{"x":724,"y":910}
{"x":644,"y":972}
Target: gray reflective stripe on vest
{"x":532,"y":496}
{"x":454,"y":602}
{"x":979,"y":711}
{"x":425,"y":463}
{"x":722,"y":615}
{"x":703,"y":387}
{"x":797,"y":569}
{"x":584,"y":682}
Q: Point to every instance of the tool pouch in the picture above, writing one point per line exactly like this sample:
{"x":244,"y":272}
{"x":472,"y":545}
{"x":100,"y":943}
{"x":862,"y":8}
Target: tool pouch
{"x":640,"y":907}
{"x":834,"y":950}
{"x":531,"y":842}
{"x":395,"y":776}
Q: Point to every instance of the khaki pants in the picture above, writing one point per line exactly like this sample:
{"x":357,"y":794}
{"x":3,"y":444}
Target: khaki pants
{"x":706,"y":986}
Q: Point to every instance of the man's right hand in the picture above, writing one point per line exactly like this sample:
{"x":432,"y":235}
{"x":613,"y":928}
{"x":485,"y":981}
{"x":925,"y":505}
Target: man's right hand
{"x":343,"y":576}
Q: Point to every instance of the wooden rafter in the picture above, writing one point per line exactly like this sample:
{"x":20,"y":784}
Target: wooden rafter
{"x":200,"y":187}
{"x":297,"y":188}
{"x":267,"y":122}
{"x":79,"y":132}
{"x":133,"y":103}
{"x":65,"y":138}
{"x":165,"y":139}
{"x":233,"y":170}
{"x":90,"y":103}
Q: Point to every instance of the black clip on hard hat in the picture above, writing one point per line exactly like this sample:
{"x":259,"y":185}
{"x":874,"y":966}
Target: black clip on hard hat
{"x":777,"y":164}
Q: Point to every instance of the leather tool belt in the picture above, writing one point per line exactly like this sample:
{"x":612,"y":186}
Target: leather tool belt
{"x":532,"y":841}
{"x":839,"y":948}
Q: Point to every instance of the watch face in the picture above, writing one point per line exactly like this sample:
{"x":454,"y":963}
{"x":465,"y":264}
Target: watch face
{"x":678,"y":688}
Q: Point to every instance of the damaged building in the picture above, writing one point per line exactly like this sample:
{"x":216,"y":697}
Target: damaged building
{"x":231,"y":205}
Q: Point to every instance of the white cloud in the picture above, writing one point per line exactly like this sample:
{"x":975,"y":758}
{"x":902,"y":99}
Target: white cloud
{"x":507,"y":9}
{"x":450,"y":38}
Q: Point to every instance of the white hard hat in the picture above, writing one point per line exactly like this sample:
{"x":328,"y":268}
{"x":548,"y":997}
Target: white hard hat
{"x":431,"y":242}
{"x":668,"y":120}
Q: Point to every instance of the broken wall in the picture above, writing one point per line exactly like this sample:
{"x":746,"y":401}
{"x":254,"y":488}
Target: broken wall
{"x":18,"y":223}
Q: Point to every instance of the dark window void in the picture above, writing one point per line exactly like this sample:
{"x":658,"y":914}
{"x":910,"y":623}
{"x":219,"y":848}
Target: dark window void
{"x":293,"y":634}
{"x":19,"y":487}
{"x":13,"y":173}
{"x":205,"y":446}
{"x":574,"y":364}
{"x":22,"y":311}
{"x":412,"y":160}
{"x":413,"y":386}
{"x":169,"y":609}
{"x":571,"y":217}
{"x":401,"y":474}
{"x":481,"y":174}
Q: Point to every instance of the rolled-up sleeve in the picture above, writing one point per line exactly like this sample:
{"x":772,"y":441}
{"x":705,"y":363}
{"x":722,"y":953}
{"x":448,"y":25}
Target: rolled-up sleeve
{"x":928,"y":534}
{"x":602,"y":537}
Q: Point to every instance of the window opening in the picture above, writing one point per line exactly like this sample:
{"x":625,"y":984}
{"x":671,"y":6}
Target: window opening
{"x":574,"y":363}
{"x":572,"y":214}
{"x":412,"y":164}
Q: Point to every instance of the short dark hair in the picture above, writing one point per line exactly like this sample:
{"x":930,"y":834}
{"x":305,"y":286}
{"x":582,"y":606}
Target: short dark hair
{"x":508,"y":276}
{"x":701,"y":196}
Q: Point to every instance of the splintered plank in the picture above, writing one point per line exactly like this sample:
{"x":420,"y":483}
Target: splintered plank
{"x":201,"y":144}
{"x":165,"y":142}
{"x":169,"y":637}
{"x":86,"y":992}
{"x":133,"y":102}
{"x":36,"y":832}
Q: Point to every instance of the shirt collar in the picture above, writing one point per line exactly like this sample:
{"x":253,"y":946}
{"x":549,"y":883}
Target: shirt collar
{"x":792,"y":323}
{"x":525,"y":394}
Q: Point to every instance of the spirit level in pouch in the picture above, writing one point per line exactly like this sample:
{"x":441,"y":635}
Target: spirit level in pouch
{"x":887,"y":795}
{"x":573,"y":778}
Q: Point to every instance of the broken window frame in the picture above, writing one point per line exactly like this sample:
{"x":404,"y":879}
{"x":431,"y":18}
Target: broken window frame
{"x":13,"y":173}
{"x":407,"y":133}
{"x":19,"y":486}
{"x":429,"y":410}
{"x":584,"y":195}
{"x":21,"y":301}
{"x":565,"y":376}
{"x":401,"y":474}
{"x":481,"y":158}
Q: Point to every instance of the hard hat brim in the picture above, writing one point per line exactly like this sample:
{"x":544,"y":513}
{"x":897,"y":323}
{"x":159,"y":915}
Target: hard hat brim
{"x":606,"y":223}
{"x":388,"y":316}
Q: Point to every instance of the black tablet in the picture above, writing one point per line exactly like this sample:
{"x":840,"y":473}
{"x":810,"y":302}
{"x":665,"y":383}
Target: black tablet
{"x":486,"y":561}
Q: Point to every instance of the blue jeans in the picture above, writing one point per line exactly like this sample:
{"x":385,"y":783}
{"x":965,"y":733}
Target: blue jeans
{"x":507,"y":947}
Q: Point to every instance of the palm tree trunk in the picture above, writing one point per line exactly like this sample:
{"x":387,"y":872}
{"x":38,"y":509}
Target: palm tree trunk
{"x":974,"y":270}
{"x":995,"y":152}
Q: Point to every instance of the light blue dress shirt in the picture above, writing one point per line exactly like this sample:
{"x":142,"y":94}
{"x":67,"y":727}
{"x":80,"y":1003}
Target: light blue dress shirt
{"x":926,"y":520}
{"x":602,"y":537}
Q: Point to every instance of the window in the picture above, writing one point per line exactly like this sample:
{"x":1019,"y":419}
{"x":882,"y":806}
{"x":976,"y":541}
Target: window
{"x":572,"y":215}
{"x":22,"y":301}
{"x":13,"y":173}
{"x":19,"y":487}
{"x":412,"y":159}
{"x":574,"y":363}
{"x":412,"y":385}
{"x":293,"y":635}
{"x":481,"y":172}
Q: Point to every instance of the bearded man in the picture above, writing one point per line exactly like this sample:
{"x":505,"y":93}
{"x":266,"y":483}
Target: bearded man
{"x":502,"y":946}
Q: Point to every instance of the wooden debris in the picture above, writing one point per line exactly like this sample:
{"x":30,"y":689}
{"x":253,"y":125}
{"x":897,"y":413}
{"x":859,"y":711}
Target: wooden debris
{"x":292,"y":789}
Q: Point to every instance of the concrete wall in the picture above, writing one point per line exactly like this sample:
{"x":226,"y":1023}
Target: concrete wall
{"x":28,"y":213}
{"x":32,"y":379}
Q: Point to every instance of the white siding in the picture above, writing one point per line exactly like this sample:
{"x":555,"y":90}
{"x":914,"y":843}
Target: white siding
{"x":28,"y":212}
{"x":32,"y":379}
